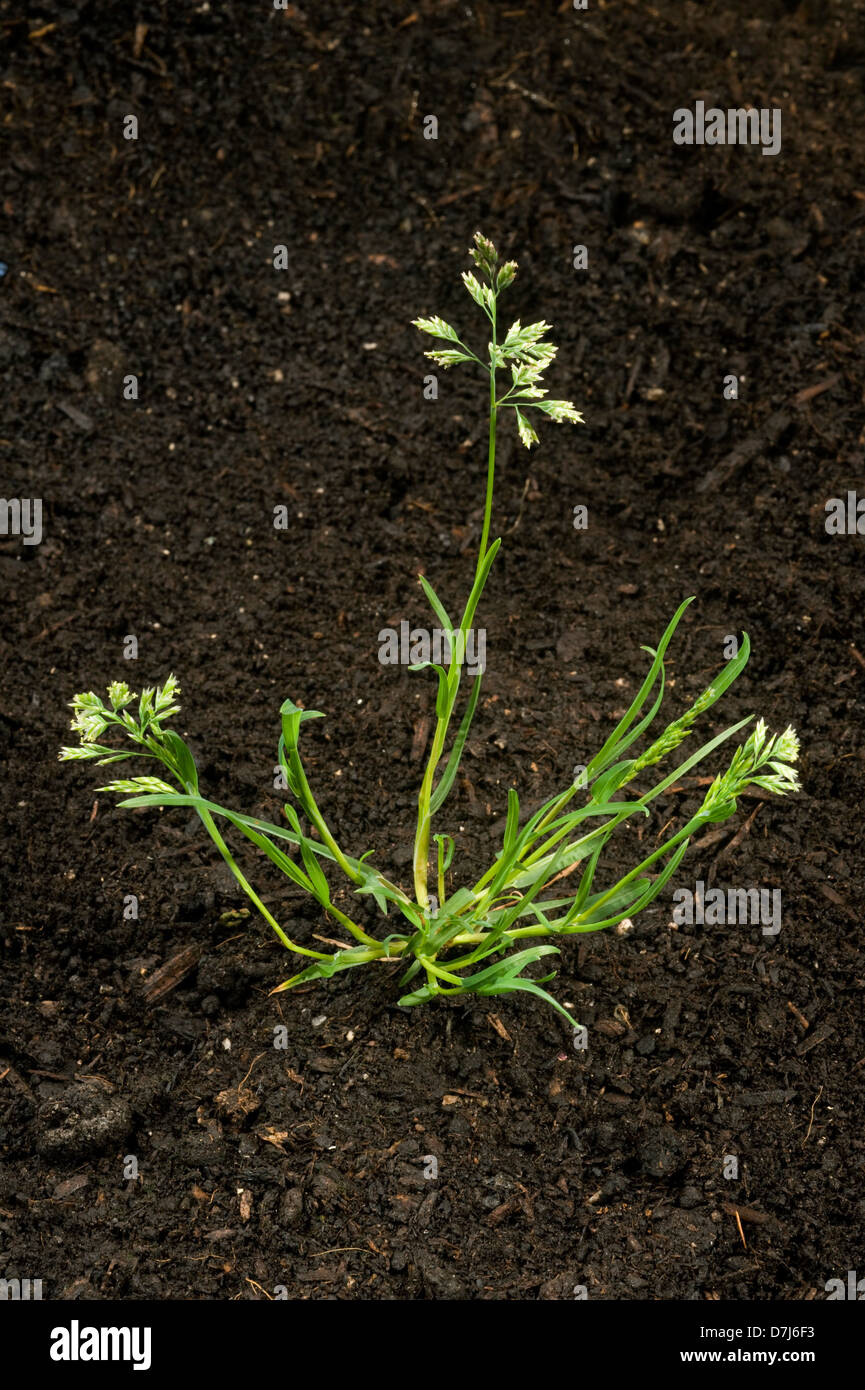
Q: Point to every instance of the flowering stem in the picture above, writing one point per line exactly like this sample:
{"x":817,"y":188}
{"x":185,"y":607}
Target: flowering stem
{"x":422,"y":836}
{"x":210,"y":827}
{"x":491,"y":453}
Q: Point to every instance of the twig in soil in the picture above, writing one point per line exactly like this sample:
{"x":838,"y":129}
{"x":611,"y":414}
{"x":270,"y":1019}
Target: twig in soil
{"x":251,"y":1065}
{"x":766,"y":436}
{"x":800,"y":1017}
{"x":815,"y":1041}
{"x":419,"y":741}
{"x":528,"y":483}
{"x":739,"y":1224}
{"x":536,"y":97}
{"x":632,"y":380}
{"x":496,"y":1024}
{"x":739,"y":836}
{"x":15,"y":1081}
{"x":809,"y":392}
{"x":169,"y":975}
{"x":811,"y":1121}
{"x":254,"y":1285}
{"x":713,"y":838}
{"x":748,"y":1214}
{"x":48,"y":631}
{"x":344,"y":1250}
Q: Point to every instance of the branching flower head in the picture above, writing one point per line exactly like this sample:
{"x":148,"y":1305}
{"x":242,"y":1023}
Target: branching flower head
{"x":675,"y":732}
{"x":135,"y":786}
{"x":119,"y":694}
{"x":526,"y":351}
{"x":92,"y":717}
{"x":766,"y":760}
{"x":88,"y":719}
{"x":681,"y":727}
{"x":484,"y":255}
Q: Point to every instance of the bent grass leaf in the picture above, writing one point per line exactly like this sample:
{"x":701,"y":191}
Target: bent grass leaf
{"x":436,"y":604}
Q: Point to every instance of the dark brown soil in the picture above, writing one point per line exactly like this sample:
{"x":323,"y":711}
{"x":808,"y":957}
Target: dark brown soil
{"x":305,"y":1167}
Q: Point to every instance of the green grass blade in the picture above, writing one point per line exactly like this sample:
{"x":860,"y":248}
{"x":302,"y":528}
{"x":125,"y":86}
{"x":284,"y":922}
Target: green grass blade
{"x":450,"y":772}
{"x":609,"y":749}
{"x":435,"y":603}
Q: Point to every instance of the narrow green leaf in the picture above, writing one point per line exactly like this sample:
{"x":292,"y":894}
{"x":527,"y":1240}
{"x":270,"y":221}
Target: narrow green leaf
{"x":292,"y":717}
{"x":182,"y":755}
{"x":442,"y":694}
{"x":512,"y":822}
{"x":602,"y":759}
{"x":450,"y":772}
{"x":325,"y":969}
{"x":623,"y":901}
{"x":424,"y":995}
{"x":317,"y":879}
{"x":436,"y":603}
{"x":611,"y":780}
{"x":446,"y":851}
{"x":478,"y":586}
{"x":531,"y":987}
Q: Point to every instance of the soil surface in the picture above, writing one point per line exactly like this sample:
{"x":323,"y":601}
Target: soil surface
{"x":309,"y":1166}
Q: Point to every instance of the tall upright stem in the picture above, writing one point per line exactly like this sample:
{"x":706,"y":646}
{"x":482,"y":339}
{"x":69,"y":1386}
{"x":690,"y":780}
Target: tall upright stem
{"x":491,"y":454}
{"x":422,"y":837}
